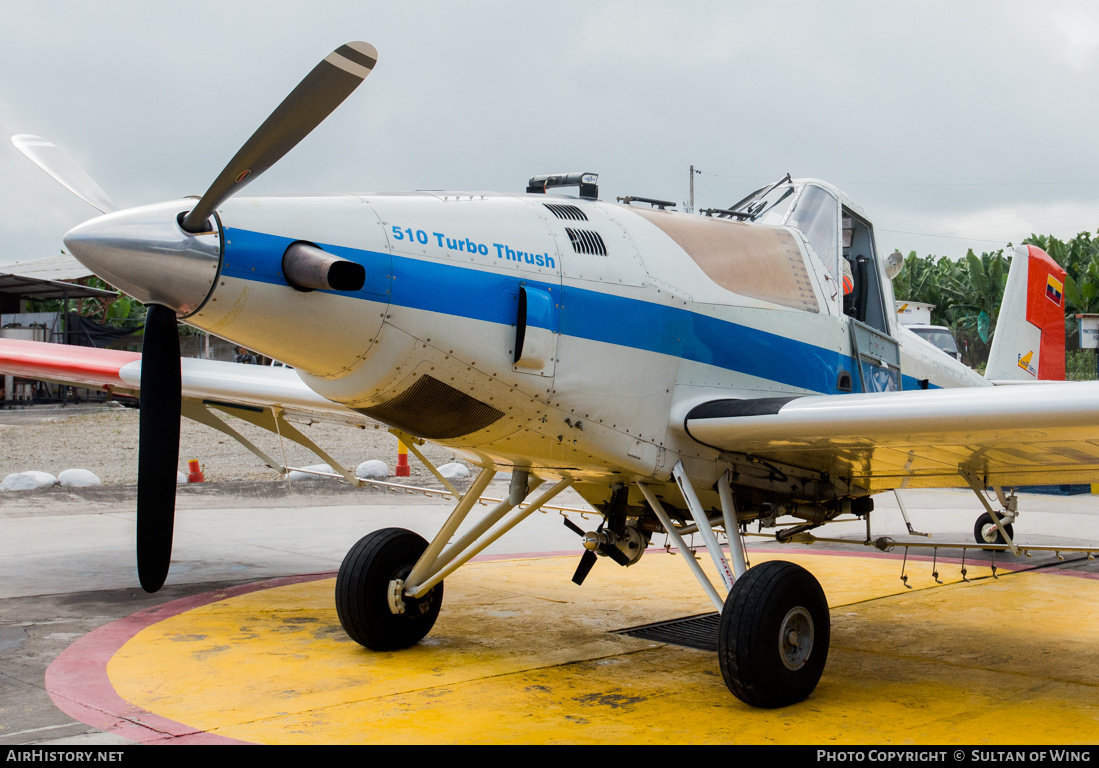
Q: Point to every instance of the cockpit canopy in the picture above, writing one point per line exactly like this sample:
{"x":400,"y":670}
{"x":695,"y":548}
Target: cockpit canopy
{"x":838,"y":233}
{"x":805,"y":204}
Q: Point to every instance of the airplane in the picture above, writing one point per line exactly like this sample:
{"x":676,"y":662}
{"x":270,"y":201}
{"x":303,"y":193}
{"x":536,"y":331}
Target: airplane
{"x":683,"y":373}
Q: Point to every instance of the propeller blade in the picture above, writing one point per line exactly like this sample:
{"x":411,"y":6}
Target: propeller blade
{"x":47,"y":156}
{"x":322,"y":90}
{"x":582,"y":570}
{"x":616,"y":554}
{"x":158,"y":446}
{"x":574,"y":527}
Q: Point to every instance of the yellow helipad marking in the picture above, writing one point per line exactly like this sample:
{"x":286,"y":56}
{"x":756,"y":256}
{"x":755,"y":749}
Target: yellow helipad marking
{"x":520,"y":654}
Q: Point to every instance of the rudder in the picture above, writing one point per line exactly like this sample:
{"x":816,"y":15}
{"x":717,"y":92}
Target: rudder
{"x":1029,"y":343}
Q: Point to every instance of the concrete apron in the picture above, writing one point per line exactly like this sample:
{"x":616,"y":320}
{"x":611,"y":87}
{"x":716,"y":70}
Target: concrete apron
{"x":521,"y":655}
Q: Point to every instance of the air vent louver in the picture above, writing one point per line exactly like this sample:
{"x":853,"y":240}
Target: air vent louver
{"x":568,"y":212}
{"x":584,"y":241}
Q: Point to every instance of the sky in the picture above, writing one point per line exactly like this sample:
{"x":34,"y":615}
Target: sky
{"x":954,"y":125}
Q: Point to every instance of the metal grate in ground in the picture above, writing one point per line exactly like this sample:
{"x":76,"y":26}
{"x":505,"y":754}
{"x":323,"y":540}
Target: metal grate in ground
{"x":698,"y":632}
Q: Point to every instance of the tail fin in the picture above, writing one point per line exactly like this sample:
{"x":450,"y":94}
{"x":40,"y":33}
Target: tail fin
{"x":1030,"y":344}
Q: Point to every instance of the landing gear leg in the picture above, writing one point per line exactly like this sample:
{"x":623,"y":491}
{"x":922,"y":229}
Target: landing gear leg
{"x":390,"y":586}
{"x":774,"y":627}
{"x":993,"y":527}
{"x":773,"y":636}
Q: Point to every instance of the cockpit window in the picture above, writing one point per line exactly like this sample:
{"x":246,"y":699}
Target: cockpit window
{"x":816,"y":214}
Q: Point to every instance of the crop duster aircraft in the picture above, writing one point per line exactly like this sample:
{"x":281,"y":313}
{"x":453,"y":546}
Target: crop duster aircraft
{"x":683,"y":373}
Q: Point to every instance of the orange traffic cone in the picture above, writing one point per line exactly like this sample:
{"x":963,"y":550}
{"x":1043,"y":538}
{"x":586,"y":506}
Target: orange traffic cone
{"x":195,"y":475}
{"x":403,"y":470}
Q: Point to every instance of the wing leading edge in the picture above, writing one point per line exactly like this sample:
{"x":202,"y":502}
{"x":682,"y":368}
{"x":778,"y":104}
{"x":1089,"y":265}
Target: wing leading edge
{"x":203,"y":380}
{"x":1041,"y":434}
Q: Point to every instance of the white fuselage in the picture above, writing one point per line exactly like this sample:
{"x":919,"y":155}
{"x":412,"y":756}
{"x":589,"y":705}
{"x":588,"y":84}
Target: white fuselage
{"x":630,"y":329}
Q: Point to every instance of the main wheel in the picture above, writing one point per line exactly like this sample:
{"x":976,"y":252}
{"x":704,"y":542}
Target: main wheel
{"x":986,"y":532}
{"x":363,"y":586}
{"x":773,"y":637}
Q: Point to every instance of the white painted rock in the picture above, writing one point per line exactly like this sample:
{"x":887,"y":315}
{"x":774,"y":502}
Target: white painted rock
{"x":181,"y":478}
{"x":372,"y":469}
{"x":44,"y":479}
{"x":454,"y":471}
{"x":296,"y":476}
{"x":18,"y":481}
{"x":78,"y":478}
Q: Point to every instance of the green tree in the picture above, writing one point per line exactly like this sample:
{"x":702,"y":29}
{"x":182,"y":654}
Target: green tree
{"x":922,"y":280}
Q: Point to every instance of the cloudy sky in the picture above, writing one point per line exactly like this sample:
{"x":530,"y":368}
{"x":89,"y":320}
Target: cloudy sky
{"x":954,"y":124}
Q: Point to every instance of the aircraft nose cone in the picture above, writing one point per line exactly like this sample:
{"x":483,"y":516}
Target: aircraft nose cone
{"x":144,"y":252}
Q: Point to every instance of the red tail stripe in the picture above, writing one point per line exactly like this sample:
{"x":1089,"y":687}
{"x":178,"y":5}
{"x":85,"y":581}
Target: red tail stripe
{"x":1045,"y":313}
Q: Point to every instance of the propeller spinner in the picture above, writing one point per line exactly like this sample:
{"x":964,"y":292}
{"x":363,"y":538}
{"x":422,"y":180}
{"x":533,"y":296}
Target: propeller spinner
{"x":169,"y":261}
{"x":599,"y":542}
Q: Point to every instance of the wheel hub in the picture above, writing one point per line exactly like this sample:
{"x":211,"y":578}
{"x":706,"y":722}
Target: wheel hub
{"x":395,"y":597}
{"x":795,"y":638}
{"x":401,"y":603}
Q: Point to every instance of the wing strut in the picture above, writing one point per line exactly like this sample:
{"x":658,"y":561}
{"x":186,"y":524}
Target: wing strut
{"x":410,"y":443}
{"x":196,"y":411}
{"x":272,"y":419}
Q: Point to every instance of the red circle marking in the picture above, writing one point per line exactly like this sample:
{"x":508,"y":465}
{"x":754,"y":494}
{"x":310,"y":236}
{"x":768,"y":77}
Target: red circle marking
{"x":77,"y":680}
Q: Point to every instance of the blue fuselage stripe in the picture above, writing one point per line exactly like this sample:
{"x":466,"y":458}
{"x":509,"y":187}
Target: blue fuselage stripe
{"x":585,"y":314}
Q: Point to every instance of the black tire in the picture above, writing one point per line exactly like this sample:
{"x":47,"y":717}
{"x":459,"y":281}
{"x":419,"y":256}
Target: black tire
{"x":760,"y":667}
{"x":986,"y":532}
{"x":362,"y":587}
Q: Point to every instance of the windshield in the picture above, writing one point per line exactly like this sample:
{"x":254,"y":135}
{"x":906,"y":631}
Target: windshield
{"x":773,"y":207}
{"x":807,"y":207}
{"x":761,"y":200}
{"x":817,"y":216}
{"x":940,"y":337}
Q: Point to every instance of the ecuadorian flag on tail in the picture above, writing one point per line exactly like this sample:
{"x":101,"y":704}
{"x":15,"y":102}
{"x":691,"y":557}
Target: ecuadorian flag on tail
{"x":1054,"y":289}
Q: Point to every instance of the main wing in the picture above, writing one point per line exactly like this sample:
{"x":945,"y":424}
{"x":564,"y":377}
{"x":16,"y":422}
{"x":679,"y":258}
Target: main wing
{"x":210,"y":381}
{"x":263,"y":396}
{"x":1009,"y":436}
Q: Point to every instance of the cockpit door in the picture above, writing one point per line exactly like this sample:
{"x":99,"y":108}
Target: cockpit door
{"x":877,"y":358}
{"x":876,"y":353}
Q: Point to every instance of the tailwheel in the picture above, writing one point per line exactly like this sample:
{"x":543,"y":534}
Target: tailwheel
{"x":986,"y":532}
{"x":369,"y":586}
{"x":773,"y":636}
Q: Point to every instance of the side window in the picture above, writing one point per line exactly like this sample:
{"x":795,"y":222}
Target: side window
{"x":816,"y":214}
